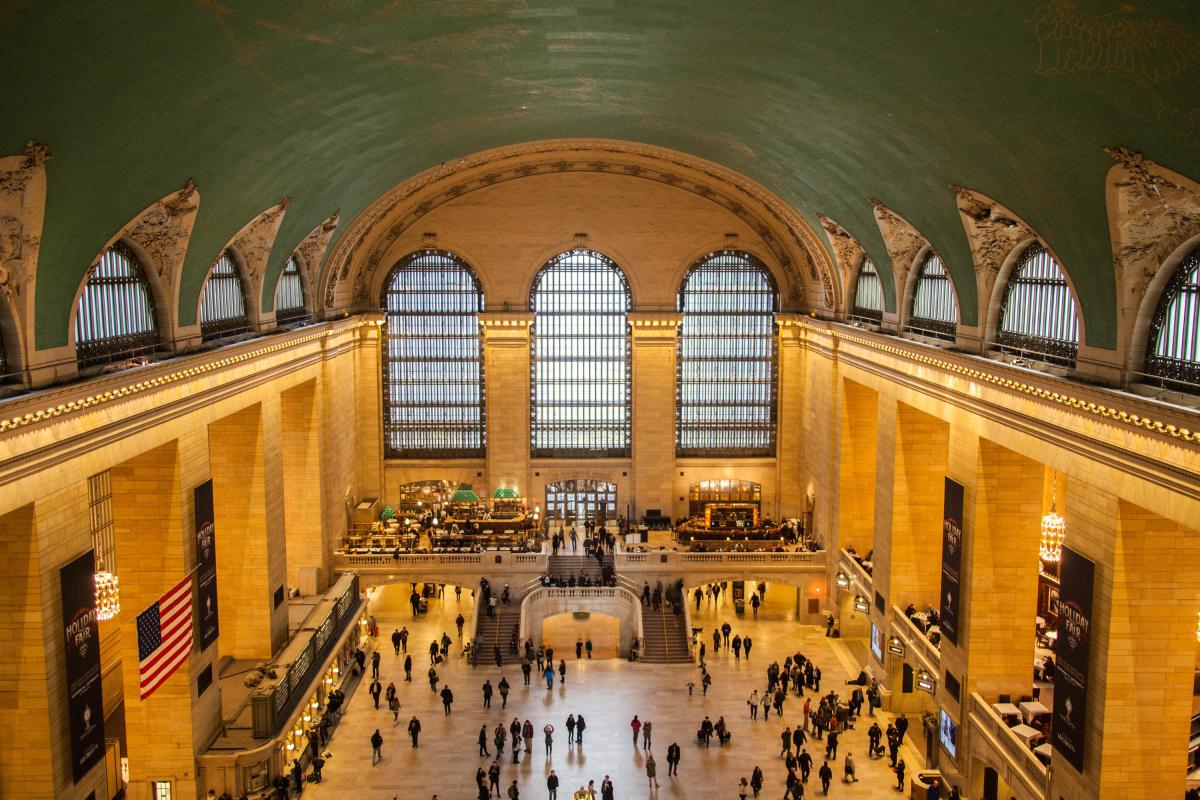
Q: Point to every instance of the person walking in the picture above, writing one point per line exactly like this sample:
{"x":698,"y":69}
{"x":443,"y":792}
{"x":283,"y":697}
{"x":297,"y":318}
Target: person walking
{"x":483,"y":737}
{"x":396,"y":640}
{"x":549,"y":731}
{"x":587,"y":645}
{"x":743,"y":788}
{"x":404,"y":639}
{"x":515,"y":730}
{"x":499,"y":737}
{"x":394,"y":707}
{"x":579,"y":647}
{"x":562,"y":671}
{"x":826,"y":776}
{"x":673,"y":758}
{"x":487,"y":694}
{"x":571,"y":729}
{"x":753,"y":703}
{"x":526,"y":670}
{"x":606,"y":789}
{"x":647,"y":728}
{"x":408,"y":668}
{"x":552,"y":785}
{"x":754,"y":603}
{"x":831,"y":745}
{"x":527,"y":735}
{"x":805,"y":761}
{"x":513,"y":792}
{"x":375,"y":665}
{"x":504,"y":688}
{"x":494,"y":777}
{"x":548,"y":674}
{"x":786,"y":739}
{"x":737,"y":648}
{"x":460,"y":621}
{"x":580,"y":726}
{"x":447,"y":698}
{"x":726,"y":629}
{"x":376,"y":747}
{"x":900,"y":775}
{"x":636,"y":724}
{"x":848,"y":769}
{"x":376,"y":689}
{"x":901,"y":728}
{"x":747,"y":643}
{"x":414,"y":729}
{"x":651,"y":771}
{"x":756,"y":780}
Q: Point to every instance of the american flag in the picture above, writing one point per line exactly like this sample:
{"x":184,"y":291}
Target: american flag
{"x":164,"y":633}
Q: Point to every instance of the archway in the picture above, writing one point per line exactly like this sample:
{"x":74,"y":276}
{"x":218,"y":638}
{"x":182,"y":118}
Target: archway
{"x":564,"y":631}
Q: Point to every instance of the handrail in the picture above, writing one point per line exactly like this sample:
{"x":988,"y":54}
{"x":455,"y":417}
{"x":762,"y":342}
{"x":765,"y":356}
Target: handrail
{"x":916,"y":641}
{"x":855,"y":570}
{"x":677,"y":558}
{"x":1022,"y":759}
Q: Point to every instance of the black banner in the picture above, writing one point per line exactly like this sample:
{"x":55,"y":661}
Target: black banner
{"x":952,"y":543}
{"x":1072,"y":653}
{"x":81,"y":647}
{"x":206,"y":566}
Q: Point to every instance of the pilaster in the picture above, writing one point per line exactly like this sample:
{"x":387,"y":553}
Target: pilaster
{"x":506,"y":360}
{"x":655,"y":338}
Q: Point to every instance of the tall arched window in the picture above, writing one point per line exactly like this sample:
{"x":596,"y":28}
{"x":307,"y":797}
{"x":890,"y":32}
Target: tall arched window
{"x":289,"y":294}
{"x":579,"y":358}
{"x":1037,"y":314}
{"x":726,"y":364}
{"x":1174,"y":349}
{"x":934,"y":310}
{"x":223,"y":304}
{"x":115,"y":317}
{"x":433,"y":399}
{"x":868,"y":293}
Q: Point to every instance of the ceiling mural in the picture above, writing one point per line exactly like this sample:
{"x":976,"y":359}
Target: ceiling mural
{"x":335,"y":102}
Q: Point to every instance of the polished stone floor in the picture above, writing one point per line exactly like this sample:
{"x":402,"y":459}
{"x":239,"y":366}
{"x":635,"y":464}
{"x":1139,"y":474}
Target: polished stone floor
{"x":608,"y":693}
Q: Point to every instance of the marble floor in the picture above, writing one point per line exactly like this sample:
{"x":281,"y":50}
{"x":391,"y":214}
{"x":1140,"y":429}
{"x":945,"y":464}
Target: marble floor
{"x":608,"y":693}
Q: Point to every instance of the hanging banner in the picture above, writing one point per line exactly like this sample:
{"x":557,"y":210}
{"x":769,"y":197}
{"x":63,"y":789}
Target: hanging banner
{"x":81,"y":647}
{"x":1071,"y":655}
{"x":206,"y":566}
{"x":952,"y":542}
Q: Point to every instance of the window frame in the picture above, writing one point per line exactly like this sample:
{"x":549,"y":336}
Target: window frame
{"x":930,"y":326}
{"x":715,"y":429}
{"x":288,"y":315}
{"x":1183,"y":286}
{"x":476,"y":449}
{"x":542,"y":432}
{"x":226,"y":327}
{"x":1055,"y":350}
{"x":864,"y":313}
{"x":102,"y":299}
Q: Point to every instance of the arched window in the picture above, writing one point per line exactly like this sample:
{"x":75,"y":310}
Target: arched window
{"x":726,"y":364}
{"x":1037,"y":314}
{"x":868,"y":293}
{"x":223,"y":304}
{"x":1174,"y":349}
{"x":579,"y":358}
{"x":579,"y":500}
{"x":115,"y":317}
{"x":934,"y":311}
{"x":289,"y":294}
{"x":433,"y":399}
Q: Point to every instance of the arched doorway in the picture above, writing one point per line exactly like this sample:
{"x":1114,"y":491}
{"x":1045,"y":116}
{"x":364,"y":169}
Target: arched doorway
{"x":579,"y":500}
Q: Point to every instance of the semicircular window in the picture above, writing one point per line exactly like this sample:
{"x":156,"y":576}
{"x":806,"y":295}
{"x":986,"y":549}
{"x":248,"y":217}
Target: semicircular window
{"x":1174,"y":345}
{"x":223,"y":303}
{"x":934,"y":307}
{"x":289,"y":294}
{"x":868,"y":294}
{"x":726,"y":383}
{"x":1037,"y":314}
{"x":433,"y":390}
{"x":579,"y":358}
{"x":115,"y":318}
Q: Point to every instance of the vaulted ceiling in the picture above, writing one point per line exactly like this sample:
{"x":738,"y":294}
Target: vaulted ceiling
{"x":828,"y":104}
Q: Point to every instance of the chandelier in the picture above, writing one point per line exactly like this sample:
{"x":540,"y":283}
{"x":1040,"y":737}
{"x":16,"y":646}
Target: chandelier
{"x":1054,"y":529}
{"x":108,"y":595}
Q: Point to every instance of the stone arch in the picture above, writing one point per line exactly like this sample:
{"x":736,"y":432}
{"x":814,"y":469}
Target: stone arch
{"x":310,"y":253}
{"x":239,"y":262}
{"x":1151,"y":297}
{"x":163,"y":307}
{"x":1000,"y":285}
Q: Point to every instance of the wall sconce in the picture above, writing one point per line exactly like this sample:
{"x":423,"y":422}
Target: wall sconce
{"x":861,"y":604}
{"x":925,"y":681}
{"x":895,"y":646}
{"x":842,"y":580}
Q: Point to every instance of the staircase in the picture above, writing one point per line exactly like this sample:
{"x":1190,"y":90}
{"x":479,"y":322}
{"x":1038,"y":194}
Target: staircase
{"x":497,"y":630}
{"x":565,"y":566}
{"x":664,"y":639}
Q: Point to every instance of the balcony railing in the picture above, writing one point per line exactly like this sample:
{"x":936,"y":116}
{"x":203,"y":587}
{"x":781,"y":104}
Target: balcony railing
{"x":1023,"y":765}
{"x":849,"y":565}
{"x":916,"y":642}
{"x":674,"y":559}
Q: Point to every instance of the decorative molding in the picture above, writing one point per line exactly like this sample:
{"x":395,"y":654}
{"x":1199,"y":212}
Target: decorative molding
{"x":793,"y":244}
{"x":992,"y":233}
{"x":254,"y":242}
{"x":1152,"y":211}
{"x":312,"y":250}
{"x":903,"y":242}
{"x":163,"y":230}
{"x":847,"y":252}
{"x":22,"y":209}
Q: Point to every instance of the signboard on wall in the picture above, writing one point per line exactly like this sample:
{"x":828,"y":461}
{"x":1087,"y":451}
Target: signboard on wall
{"x":1072,"y":653}
{"x":81,"y":648}
{"x":952,"y":543}
{"x":206,"y":566}
{"x":877,"y":642}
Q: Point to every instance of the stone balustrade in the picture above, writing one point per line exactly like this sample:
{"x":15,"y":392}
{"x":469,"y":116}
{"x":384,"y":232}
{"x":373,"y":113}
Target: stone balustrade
{"x":995,"y":743}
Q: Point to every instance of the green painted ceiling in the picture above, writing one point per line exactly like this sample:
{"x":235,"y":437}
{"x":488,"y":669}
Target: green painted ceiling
{"x":826,"y":103}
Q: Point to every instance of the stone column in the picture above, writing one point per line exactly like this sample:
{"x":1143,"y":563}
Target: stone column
{"x":506,"y":361}
{"x":858,"y":430}
{"x":1143,"y":649}
{"x":654,"y":354}
{"x":885,"y":478}
{"x":922,"y":447}
{"x":153,"y":515}
{"x":789,"y":420}
{"x":302,"y":486}
{"x":368,"y":405}
{"x":251,"y":551}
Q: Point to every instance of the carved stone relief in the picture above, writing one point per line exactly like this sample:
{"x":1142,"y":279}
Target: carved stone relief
{"x":163,"y":231}
{"x":255,"y":240}
{"x":992,"y":232}
{"x":1152,"y":211}
{"x":313,"y":246}
{"x":846,"y":251}
{"x":902,"y":240}
{"x":22,"y":207}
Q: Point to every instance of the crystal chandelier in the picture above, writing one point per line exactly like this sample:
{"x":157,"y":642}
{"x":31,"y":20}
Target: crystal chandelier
{"x":108,"y":595}
{"x":1054,"y":529}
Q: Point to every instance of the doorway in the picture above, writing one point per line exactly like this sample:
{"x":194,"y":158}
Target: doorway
{"x":580,"y":500}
